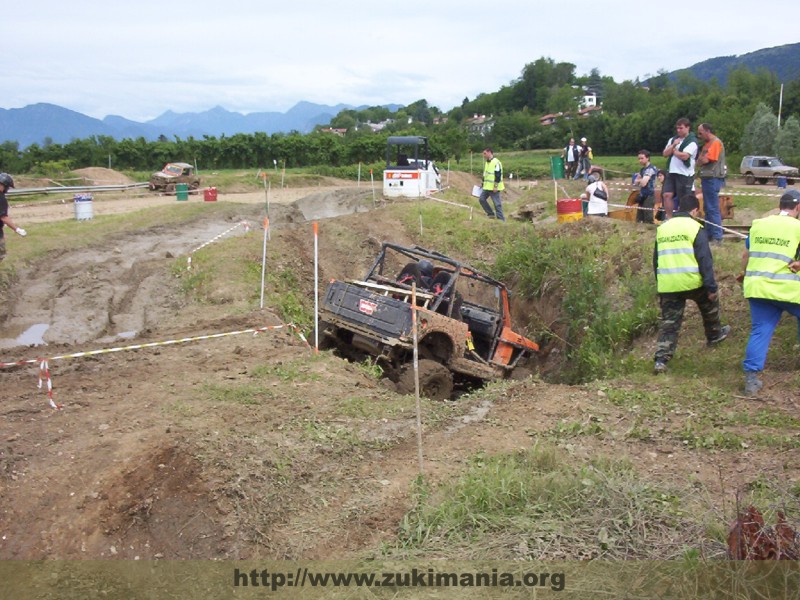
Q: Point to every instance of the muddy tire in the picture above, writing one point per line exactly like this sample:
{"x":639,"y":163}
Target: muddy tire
{"x":325,"y":342}
{"x":170,"y":188}
{"x":435,"y":380}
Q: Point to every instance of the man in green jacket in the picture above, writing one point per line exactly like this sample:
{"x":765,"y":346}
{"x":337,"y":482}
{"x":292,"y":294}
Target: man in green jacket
{"x":771,"y":281}
{"x":684,"y":271}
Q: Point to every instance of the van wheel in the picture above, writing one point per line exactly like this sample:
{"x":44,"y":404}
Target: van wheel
{"x":749,"y":179}
{"x":789,"y":181}
{"x":762,"y":180}
{"x":435,"y":380}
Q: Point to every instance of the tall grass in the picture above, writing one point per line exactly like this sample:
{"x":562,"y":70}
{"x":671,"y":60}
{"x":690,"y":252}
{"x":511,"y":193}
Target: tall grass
{"x":598,"y":283}
{"x":515,"y":505}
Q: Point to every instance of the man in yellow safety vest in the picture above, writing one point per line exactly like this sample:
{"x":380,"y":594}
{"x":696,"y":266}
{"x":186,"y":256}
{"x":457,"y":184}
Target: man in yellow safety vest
{"x":684,"y":271}
{"x":771,"y":281}
{"x":492,"y":185}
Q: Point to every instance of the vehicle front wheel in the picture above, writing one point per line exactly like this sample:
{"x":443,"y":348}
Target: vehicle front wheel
{"x":435,"y":380}
{"x":762,"y":180}
{"x":326,"y":342}
{"x":789,"y":181}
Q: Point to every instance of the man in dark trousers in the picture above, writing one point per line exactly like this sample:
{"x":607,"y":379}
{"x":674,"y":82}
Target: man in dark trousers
{"x":684,"y":271}
{"x":6,"y":183}
{"x":492,"y":186}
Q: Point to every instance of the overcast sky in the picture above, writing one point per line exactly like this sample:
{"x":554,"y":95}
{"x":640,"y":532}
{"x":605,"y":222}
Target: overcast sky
{"x":139,"y":59}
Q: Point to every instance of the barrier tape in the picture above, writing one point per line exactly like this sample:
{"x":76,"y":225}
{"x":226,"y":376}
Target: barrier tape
{"x":44,"y":363}
{"x":757,"y":194}
{"x":637,"y":207}
{"x":214,"y":239}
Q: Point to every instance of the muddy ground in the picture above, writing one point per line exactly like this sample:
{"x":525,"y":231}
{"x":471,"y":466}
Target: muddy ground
{"x":245,"y":446}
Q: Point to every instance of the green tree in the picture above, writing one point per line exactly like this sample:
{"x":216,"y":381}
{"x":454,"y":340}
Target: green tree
{"x":787,"y":142}
{"x":760,"y":133}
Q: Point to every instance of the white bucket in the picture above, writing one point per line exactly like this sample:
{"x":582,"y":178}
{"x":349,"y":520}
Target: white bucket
{"x":83,"y":207}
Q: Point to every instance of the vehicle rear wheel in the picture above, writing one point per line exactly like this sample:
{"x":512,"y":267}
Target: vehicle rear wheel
{"x":762,"y":180}
{"x":170,"y":188}
{"x":789,"y":181}
{"x":749,"y":179}
{"x":435,"y":380}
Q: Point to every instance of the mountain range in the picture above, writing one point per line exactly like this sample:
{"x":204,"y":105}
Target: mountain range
{"x":40,"y":123}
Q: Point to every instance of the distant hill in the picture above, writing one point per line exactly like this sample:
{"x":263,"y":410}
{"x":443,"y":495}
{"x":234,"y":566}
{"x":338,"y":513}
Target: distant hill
{"x":784,"y":61}
{"x":37,"y":123}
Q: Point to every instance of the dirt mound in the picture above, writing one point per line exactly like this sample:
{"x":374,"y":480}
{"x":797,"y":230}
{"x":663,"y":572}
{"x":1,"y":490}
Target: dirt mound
{"x":103,"y":176}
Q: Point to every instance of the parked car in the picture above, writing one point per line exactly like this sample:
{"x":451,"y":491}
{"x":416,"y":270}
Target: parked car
{"x":172,"y":174}
{"x":764,"y":168}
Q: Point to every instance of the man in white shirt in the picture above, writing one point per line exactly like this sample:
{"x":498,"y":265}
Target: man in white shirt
{"x":681,"y":150}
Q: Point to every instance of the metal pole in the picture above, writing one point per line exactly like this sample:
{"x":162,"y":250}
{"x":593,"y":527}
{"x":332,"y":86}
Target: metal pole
{"x":416,"y":371}
{"x":264,"y":259}
{"x":316,"y":287}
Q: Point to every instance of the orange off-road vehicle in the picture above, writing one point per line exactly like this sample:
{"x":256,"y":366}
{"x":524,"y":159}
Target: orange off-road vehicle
{"x":464,"y":321}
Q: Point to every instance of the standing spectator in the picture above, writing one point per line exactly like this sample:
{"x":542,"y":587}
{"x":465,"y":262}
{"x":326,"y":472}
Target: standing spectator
{"x":571,"y":155}
{"x":771,"y":281}
{"x":646,"y":180}
{"x":684,"y":271}
{"x":596,"y":197}
{"x":584,"y":161}
{"x":492,"y":185}
{"x":680,"y":151}
{"x":6,"y":183}
{"x":712,"y":171}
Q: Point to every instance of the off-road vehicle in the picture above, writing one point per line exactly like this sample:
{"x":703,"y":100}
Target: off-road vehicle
{"x":463,"y":316}
{"x":171,"y":175}
{"x":764,"y":168}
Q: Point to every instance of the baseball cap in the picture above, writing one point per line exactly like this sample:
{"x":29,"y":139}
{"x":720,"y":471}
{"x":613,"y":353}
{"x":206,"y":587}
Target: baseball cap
{"x":792,"y":196}
{"x":583,"y":139}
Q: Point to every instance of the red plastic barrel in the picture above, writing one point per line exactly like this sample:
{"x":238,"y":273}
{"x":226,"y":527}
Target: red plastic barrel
{"x":210,"y":194}
{"x":569,"y":209}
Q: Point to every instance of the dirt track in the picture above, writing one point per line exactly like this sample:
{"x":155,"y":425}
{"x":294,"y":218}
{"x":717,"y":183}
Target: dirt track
{"x":247,"y":446}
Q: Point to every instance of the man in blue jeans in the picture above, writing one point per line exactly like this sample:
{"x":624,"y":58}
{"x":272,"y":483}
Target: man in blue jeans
{"x":712,"y":171}
{"x":771,"y":282}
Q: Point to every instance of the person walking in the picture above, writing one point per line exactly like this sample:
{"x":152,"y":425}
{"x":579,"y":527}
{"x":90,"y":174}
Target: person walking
{"x":584,"y":161}
{"x":645,"y":179}
{"x":680,"y":151}
{"x":571,"y":156}
{"x":684,"y":271}
{"x":771,"y":282}
{"x":6,"y":183}
{"x":492,"y":185}
{"x":712,"y":170}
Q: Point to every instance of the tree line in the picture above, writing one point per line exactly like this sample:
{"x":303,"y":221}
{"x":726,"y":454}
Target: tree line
{"x":634,"y":116}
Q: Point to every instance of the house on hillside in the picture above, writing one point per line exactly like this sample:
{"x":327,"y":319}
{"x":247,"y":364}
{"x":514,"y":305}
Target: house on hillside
{"x":340,"y":131}
{"x":479,"y":124}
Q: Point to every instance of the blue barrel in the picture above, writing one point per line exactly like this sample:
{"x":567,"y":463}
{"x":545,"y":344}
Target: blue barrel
{"x":781,"y":181}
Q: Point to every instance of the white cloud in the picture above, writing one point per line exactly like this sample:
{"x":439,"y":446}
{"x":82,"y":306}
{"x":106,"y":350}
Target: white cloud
{"x":141,"y":59}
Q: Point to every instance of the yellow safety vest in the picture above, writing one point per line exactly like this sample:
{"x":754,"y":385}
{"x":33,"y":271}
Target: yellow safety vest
{"x":489,"y":168}
{"x":773,"y":244}
{"x":678,"y":270}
